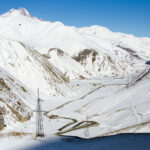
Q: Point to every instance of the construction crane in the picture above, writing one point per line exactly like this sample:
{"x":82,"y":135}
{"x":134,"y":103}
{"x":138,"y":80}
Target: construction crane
{"x":39,"y":118}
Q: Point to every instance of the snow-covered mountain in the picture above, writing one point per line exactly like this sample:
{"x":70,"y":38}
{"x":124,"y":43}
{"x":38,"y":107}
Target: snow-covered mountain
{"x":100,"y":51}
{"x":81,"y":72}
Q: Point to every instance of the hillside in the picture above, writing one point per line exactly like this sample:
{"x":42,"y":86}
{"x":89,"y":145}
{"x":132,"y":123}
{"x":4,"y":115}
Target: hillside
{"x":113,"y":107}
{"x":14,"y":100}
{"x":32,"y":68}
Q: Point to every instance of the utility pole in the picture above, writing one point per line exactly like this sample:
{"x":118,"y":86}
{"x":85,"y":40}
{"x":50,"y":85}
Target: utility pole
{"x":39,"y":119}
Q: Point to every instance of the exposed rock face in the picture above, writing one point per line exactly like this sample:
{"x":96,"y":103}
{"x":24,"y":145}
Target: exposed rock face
{"x":101,"y":64}
{"x":82,"y":56}
{"x":20,"y":11}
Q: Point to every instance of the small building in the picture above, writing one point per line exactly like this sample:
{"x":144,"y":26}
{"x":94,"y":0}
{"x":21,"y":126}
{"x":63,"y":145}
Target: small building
{"x":147,"y":62}
{"x":53,"y":116}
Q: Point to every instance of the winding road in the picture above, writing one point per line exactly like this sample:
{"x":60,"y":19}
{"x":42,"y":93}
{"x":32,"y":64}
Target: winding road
{"x":75,"y":124}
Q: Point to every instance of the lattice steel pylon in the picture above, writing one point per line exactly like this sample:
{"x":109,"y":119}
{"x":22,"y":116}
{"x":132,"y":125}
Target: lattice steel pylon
{"x":39,"y":119}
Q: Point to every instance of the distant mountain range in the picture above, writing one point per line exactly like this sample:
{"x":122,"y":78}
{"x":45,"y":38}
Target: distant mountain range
{"x":95,"y":50}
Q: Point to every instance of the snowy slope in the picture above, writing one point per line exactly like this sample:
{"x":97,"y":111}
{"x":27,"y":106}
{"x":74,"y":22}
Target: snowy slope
{"x":32,"y":68}
{"x":68,"y":66}
{"x":16,"y":101}
{"x":19,"y":25}
{"x":114,"y":107}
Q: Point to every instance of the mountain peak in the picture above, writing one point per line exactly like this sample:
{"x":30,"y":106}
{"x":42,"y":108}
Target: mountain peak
{"x":24,"y":12}
{"x":15,"y":12}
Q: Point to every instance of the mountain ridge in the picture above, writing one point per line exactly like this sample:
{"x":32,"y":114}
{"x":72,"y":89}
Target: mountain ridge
{"x":117,"y":53}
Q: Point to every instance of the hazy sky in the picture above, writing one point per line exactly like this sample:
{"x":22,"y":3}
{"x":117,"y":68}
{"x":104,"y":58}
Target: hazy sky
{"x":128,"y":16}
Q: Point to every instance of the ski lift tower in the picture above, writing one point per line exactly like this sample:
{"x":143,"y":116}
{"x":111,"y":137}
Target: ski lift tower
{"x":39,"y":118}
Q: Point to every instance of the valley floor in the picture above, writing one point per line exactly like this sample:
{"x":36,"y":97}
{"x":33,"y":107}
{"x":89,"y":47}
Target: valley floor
{"x":101,"y":107}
